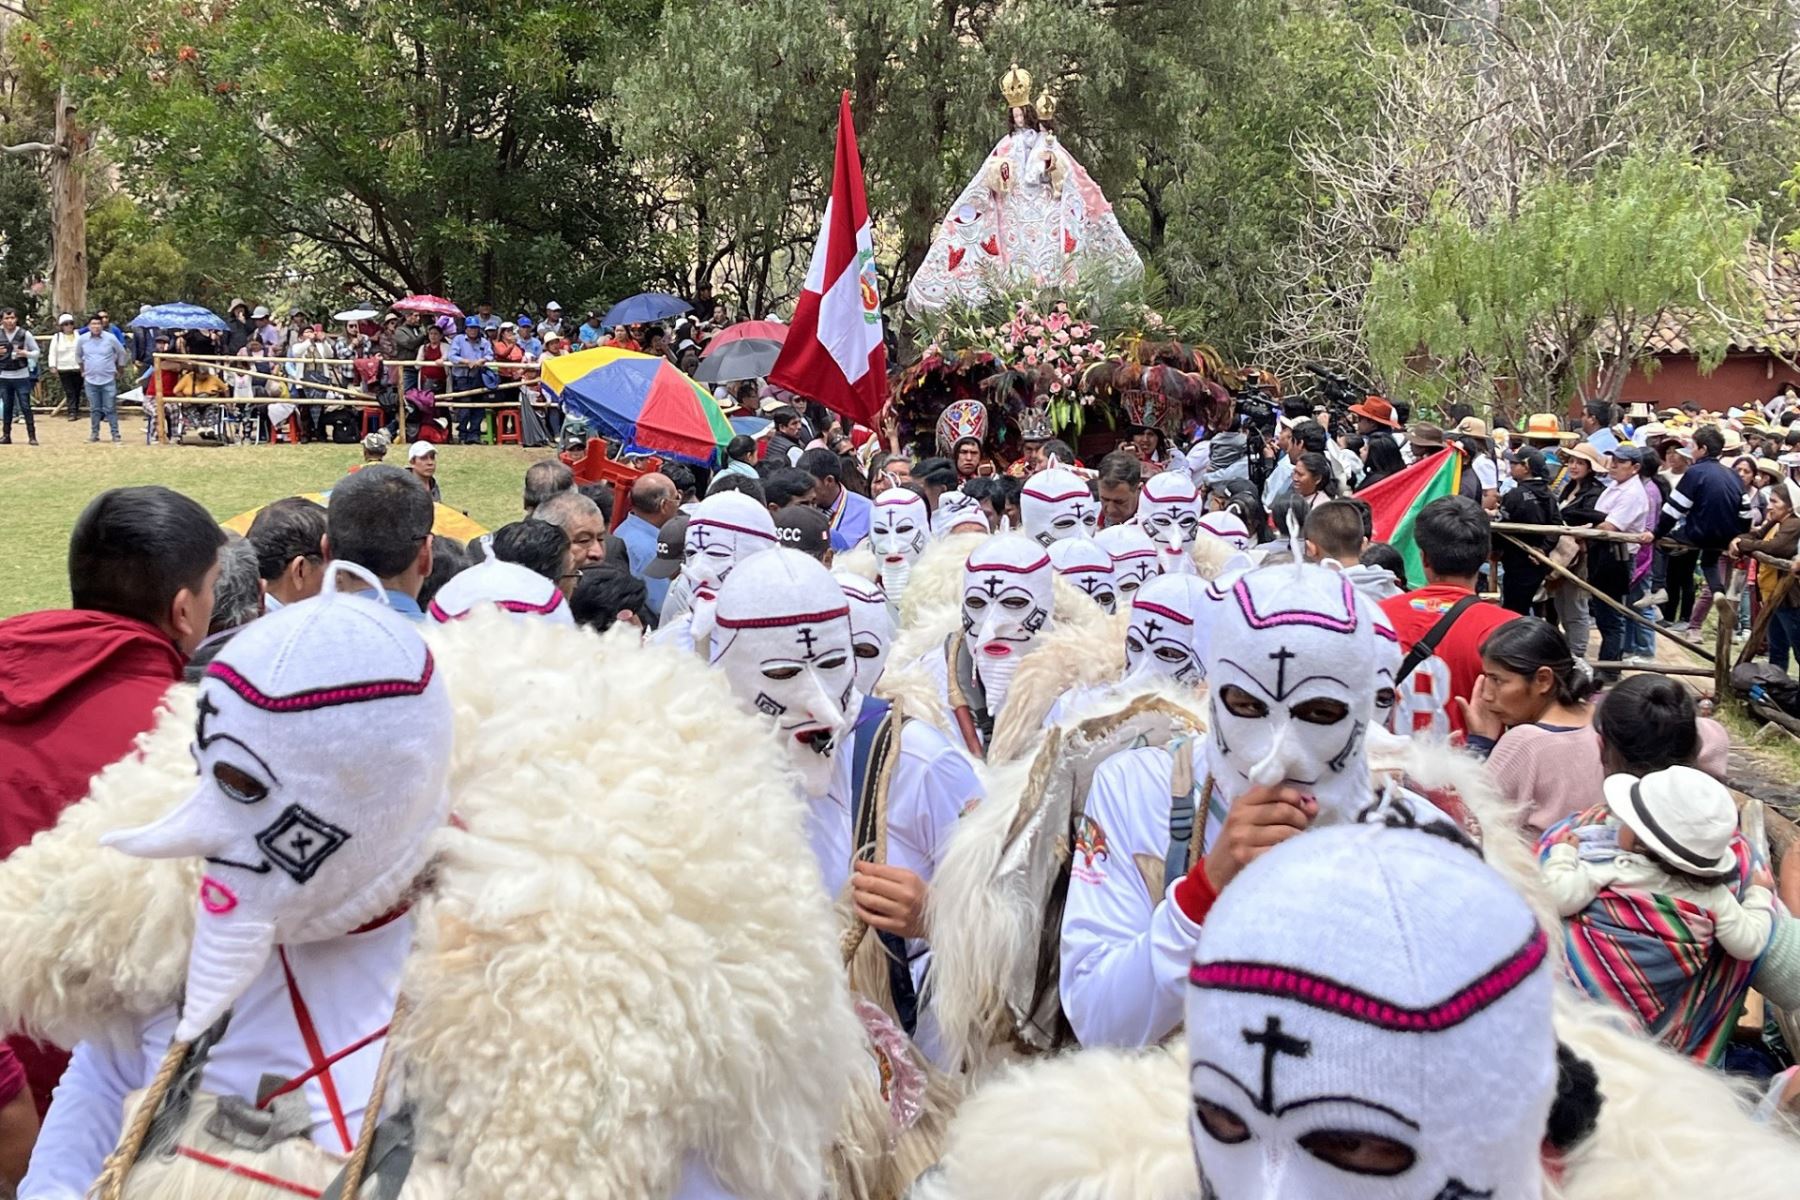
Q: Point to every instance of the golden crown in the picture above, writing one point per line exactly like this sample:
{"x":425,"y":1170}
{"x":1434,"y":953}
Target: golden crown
{"x":1015,"y":85}
{"x":1046,"y":105}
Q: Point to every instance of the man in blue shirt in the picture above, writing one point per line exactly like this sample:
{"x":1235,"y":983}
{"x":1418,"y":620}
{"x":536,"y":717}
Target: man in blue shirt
{"x":849,"y":513}
{"x":380,"y":519}
{"x":101,"y":355}
{"x":1597,"y":421}
{"x":528,"y":339}
{"x":591,"y":331}
{"x":469,"y":351}
{"x":654,"y":502}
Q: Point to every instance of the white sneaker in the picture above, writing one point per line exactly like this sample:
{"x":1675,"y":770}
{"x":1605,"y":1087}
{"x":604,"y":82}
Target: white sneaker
{"x":1657,"y":599}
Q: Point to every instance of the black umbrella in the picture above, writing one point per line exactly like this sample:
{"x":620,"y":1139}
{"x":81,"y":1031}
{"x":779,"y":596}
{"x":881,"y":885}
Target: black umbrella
{"x":749,"y":358}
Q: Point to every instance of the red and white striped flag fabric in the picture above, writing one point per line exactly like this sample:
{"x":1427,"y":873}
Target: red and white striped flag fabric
{"x":834,"y":352}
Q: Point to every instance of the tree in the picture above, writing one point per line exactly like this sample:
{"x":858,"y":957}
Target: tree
{"x":428,"y":147}
{"x":1560,"y":290}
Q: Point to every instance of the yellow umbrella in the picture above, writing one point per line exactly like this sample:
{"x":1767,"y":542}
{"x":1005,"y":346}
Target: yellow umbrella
{"x":445,"y":521}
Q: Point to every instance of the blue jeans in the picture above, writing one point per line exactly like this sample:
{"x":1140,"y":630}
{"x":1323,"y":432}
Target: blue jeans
{"x":103,"y":401}
{"x":15,"y":398}
{"x":1784,"y":635}
{"x":1641,"y":639}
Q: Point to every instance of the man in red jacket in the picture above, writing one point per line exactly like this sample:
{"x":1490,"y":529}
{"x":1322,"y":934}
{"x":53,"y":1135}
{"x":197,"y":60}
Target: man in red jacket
{"x":77,"y":685}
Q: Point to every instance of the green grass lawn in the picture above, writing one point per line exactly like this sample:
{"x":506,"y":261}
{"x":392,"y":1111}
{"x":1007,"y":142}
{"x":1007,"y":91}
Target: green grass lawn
{"x":43,"y":489}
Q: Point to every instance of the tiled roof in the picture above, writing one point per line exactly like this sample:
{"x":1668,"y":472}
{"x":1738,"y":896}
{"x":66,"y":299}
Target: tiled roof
{"x":1775,"y":278}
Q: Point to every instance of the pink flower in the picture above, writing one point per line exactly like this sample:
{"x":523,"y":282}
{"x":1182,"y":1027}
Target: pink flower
{"x":1062,"y":306}
{"x":1031,"y":354}
{"x":1062,"y":337}
{"x":1056,"y":389}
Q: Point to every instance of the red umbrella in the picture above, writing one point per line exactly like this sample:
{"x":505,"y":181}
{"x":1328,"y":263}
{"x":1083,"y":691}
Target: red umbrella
{"x":773,"y":331}
{"x":431,"y":306}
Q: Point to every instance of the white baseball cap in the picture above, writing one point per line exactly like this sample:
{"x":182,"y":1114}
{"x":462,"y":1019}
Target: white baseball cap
{"x":553,"y":306}
{"x":66,"y":319}
{"x":419,"y":450}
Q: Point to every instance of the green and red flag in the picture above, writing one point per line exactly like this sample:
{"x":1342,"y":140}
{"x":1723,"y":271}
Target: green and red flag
{"x":1395,"y":503}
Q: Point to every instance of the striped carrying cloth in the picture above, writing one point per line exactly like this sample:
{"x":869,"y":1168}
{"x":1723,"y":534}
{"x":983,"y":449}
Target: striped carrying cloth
{"x":1655,"y":957}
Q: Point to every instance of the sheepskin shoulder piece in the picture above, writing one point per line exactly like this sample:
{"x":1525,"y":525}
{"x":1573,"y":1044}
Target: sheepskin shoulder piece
{"x":623,"y":957}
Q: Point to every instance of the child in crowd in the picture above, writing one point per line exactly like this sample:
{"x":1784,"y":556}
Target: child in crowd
{"x":1670,"y":833}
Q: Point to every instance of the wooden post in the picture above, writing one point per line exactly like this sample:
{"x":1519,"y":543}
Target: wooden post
{"x":156,"y":424}
{"x":1725,"y":607}
{"x":1595,"y":592}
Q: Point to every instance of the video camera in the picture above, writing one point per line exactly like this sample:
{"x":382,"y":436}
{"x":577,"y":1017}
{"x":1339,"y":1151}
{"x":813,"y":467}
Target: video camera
{"x":1338,"y":390}
{"x":1257,"y":408}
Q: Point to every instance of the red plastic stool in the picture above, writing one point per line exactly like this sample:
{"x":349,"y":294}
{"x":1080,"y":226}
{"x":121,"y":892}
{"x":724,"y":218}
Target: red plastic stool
{"x":292,"y":425}
{"x":371,"y":421}
{"x":506,"y":428}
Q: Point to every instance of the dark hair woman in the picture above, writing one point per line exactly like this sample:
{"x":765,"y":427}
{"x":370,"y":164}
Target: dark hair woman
{"x":1530,"y":711}
{"x":1381,"y":458}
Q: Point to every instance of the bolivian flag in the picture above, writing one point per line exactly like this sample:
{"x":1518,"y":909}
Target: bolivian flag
{"x":1395,"y":503}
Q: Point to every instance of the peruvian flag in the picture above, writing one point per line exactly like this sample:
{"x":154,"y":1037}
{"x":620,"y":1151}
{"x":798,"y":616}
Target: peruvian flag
{"x":834,"y":353}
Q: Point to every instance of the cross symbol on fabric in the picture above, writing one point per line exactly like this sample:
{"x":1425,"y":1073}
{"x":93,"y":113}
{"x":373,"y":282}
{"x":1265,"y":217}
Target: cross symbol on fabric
{"x":992,"y":585}
{"x":698,"y":535}
{"x":207,"y":709}
{"x":806,"y":637}
{"x":1151,"y":627}
{"x":1281,"y":657}
{"x":1273,"y":1042}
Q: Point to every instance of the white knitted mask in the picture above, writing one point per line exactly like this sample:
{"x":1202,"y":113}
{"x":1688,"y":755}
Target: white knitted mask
{"x":1133,"y":555}
{"x":782,"y":638}
{"x":1369,"y":1018}
{"x":725,"y":529}
{"x":1228,"y":528}
{"x":1056,"y":504}
{"x":1007,"y":604}
{"x":1388,"y":658}
{"x":1087,"y":565}
{"x":1289,"y":664}
{"x":955,"y":511}
{"x":507,"y":586}
{"x":323,"y":743}
{"x":1167,"y":505}
{"x":899,"y":527}
{"x":1167,"y":633}
{"x":871,"y":628}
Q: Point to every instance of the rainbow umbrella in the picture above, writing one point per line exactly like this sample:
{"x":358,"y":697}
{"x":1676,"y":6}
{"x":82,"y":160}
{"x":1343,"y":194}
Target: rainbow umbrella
{"x":640,"y":400}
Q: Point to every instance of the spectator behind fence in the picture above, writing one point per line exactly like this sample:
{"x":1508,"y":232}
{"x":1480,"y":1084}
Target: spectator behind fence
{"x":78,"y":684}
{"x":546,"y":478}
{"x":538,"y":546}
{"x":380,"y":519}
{"x":64,"y":357}
{"x":289,"y":538}
{"x":103,"y":356}
{"x":237,"y":601}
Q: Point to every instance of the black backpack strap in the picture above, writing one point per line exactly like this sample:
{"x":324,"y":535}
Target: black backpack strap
{"x":1426,"y":646}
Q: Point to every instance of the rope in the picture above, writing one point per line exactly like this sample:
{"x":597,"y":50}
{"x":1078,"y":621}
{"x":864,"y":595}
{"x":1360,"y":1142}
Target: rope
{"x":874,"y":820}
{"x":110,"y":1185}
{"x":365,"y":1141}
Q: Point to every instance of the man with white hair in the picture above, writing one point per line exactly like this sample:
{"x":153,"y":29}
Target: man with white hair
{"x":582,"y":520}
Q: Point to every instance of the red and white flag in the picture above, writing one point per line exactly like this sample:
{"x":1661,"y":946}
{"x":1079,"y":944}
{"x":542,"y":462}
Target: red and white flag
{"x":834,"y":353}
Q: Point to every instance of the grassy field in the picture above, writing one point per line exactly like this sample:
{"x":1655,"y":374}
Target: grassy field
{"x":43,"y":489}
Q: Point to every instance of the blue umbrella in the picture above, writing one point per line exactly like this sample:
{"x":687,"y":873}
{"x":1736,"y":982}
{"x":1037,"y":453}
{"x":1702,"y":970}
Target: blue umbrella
{"x":643,"y":308}
{"x":179,"y":316}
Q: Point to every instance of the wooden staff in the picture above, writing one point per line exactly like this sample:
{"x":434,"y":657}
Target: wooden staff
{"x":1591,"y":590}
{"x":1585,"y":532}
{"x":1655,"y":669}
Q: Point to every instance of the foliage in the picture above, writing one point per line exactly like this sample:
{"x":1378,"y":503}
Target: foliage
{"x":1569,"y":281}
{"x":441,"y":147}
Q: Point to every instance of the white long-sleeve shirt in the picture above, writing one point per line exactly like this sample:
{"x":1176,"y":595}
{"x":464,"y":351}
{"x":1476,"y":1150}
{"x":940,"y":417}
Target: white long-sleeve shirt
{"x":1125,"y":953}
{"x":310,"y":1003}
{"x":933,"y":784}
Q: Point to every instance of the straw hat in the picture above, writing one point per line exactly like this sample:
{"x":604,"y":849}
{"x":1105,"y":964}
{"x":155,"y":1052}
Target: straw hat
{"x":1546,"y":427}
{"x":1586,"y":453}
{"x":1472,"y":427}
